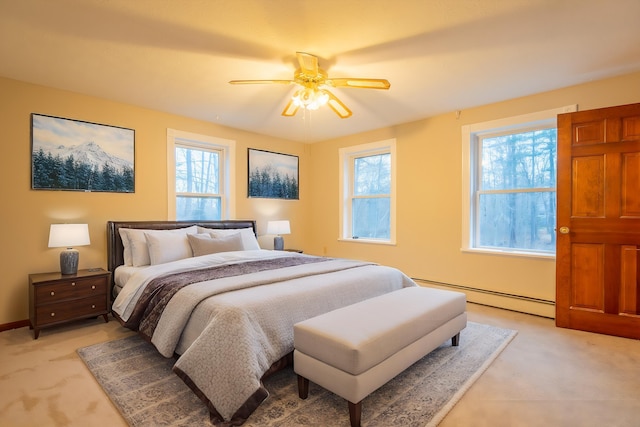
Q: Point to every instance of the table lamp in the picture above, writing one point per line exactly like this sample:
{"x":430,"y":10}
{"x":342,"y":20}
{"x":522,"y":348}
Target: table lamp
{"x":67,"y":236}
{"x":278,"y":228}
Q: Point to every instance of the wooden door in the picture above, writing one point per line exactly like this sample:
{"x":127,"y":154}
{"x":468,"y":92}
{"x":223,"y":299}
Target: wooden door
{"x":598,"y":230}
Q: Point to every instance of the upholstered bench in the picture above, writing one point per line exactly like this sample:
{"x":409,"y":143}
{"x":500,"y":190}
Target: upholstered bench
{"x":354,"y":350}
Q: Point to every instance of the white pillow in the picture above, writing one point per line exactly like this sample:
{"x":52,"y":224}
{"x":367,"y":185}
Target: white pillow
{"x":249,"y":241}
{"x":126,"y":254}
{"x":136,"y":251}
{"x":167,"y":247}
{"x":204,"y":244}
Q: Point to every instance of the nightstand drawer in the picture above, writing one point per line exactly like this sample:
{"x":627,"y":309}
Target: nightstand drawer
{"x":78,"y":288}
{"x":71,"y":309}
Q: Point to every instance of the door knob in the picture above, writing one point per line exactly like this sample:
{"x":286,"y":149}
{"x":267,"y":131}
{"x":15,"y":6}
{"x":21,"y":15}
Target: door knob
{"x":564,"y":230}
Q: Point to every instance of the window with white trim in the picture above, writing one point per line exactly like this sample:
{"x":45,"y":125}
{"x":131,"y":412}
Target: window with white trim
{"x":512,"y":165}
{"x":200,"y":182}
{"x":367,"y":192}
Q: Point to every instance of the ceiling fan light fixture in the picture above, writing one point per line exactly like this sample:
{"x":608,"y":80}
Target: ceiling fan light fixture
{"x":310,"y":98}
{"x":312,"y":81}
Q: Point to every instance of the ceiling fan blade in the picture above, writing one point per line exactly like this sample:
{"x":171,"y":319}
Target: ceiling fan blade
{"x":260,"y":82}
{"x":360,"y":83}
{"x":338,"y":106}
{"x":308,"y":63}
{"x":291,"y":109}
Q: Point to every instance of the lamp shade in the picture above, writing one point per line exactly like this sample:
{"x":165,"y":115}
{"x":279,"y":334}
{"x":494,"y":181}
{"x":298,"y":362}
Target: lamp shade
{"x":68,"y":235}
{"x":278,"y":227}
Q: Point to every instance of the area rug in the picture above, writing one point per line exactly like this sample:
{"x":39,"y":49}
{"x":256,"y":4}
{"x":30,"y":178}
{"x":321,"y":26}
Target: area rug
{"x":143,"y":387}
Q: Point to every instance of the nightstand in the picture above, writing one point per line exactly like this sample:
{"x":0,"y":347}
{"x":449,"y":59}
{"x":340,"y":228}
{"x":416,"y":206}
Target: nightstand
{"x":55,"y":298}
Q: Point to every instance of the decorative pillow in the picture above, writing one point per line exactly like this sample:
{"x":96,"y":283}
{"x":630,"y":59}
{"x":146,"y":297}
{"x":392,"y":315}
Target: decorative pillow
{"x":204,"y":244}
{"x":167,"y":247}
{"x":136,"y":250}
{"x":249,"y":241}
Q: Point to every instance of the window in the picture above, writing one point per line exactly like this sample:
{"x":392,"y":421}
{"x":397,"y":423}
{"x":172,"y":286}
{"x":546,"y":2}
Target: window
{"x":200,"y":185}
{"x":367,"y":192}
{"x":197,"y":183}
{"x":511,"y":182}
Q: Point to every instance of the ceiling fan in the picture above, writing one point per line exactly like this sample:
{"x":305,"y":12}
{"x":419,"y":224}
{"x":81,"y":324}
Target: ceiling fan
{"x":314,"y":82}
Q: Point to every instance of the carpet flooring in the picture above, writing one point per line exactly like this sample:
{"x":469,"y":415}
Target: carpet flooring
{"x":141,"y":384}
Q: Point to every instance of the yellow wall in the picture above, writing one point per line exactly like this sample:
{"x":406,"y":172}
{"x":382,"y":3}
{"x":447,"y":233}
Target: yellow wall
{"x":429,"y":199}
{"x":429,"y":192}
{"x":26,"y":214}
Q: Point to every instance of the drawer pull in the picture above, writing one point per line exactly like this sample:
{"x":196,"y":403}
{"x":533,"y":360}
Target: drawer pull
{"x":52,"y":293}
{"x":73,"y":283}
{"x":93,"y":306}
{"x":93,"y":286}
{"x":53,"y":314}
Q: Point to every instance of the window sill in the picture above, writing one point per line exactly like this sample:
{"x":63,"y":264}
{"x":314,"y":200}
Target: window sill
{"x":368,"y":241}
{"x":506,"y":252}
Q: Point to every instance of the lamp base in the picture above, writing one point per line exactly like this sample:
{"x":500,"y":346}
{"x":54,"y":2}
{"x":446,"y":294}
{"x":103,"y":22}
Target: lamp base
{"x":278,"y":243}
{"x":69,"y":262}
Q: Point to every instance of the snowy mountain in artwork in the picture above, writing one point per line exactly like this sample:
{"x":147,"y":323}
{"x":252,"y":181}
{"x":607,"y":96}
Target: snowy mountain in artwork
{"x":92,"y":153}
{"x":84,"y":167}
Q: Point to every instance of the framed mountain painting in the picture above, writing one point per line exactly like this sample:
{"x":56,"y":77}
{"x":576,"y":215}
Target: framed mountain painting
{"x":273,"y":175}
{"x":75,"y":155}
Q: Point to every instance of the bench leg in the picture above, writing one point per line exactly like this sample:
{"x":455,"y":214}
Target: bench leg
{"x":355,"y":413}
{"x":303,"y":387}
{"x":455,"y":340}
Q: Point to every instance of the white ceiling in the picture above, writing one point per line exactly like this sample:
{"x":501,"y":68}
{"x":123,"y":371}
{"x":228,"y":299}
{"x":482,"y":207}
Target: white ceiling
{"x":439,"y":55}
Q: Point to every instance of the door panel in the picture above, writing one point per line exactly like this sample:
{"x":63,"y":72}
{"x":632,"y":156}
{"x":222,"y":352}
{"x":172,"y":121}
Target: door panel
{"x":630,"y":179}
{"x":588,"y":186}
{"x":631,"y":128}
{"x":590,"y":133}
{"x":598,"y":247}
{"x":587,"y":287}
{"x":630,"y":295}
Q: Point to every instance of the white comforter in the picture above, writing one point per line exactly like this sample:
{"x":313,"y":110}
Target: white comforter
{"x":245,"y":323}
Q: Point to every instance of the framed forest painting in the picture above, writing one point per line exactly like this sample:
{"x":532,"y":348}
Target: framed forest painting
{"x":74,"y":155}
{"x":273,"y":175}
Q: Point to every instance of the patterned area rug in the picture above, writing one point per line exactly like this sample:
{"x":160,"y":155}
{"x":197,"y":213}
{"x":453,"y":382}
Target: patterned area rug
{"x":141,"y":384}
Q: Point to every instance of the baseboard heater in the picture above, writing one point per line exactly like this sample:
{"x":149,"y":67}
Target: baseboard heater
{"x":486,"y":291}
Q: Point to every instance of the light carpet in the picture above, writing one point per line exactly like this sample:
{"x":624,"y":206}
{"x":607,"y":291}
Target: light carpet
{"x":143,"y":387}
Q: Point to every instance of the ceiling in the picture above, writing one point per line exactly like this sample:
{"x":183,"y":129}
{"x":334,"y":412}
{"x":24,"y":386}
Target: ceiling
{"x":439,"y":55}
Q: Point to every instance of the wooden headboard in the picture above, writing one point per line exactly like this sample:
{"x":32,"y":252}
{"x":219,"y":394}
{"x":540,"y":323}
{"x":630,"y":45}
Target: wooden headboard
{"x":115,"y":249}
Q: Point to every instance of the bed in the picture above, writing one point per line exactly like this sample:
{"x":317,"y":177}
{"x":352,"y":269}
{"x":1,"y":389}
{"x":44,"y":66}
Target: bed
{"x":205,"y":293}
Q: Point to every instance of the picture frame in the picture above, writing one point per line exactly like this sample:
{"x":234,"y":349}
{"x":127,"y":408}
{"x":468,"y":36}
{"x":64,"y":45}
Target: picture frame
{"x":273,"y":175}
{"x":75,"y":155}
